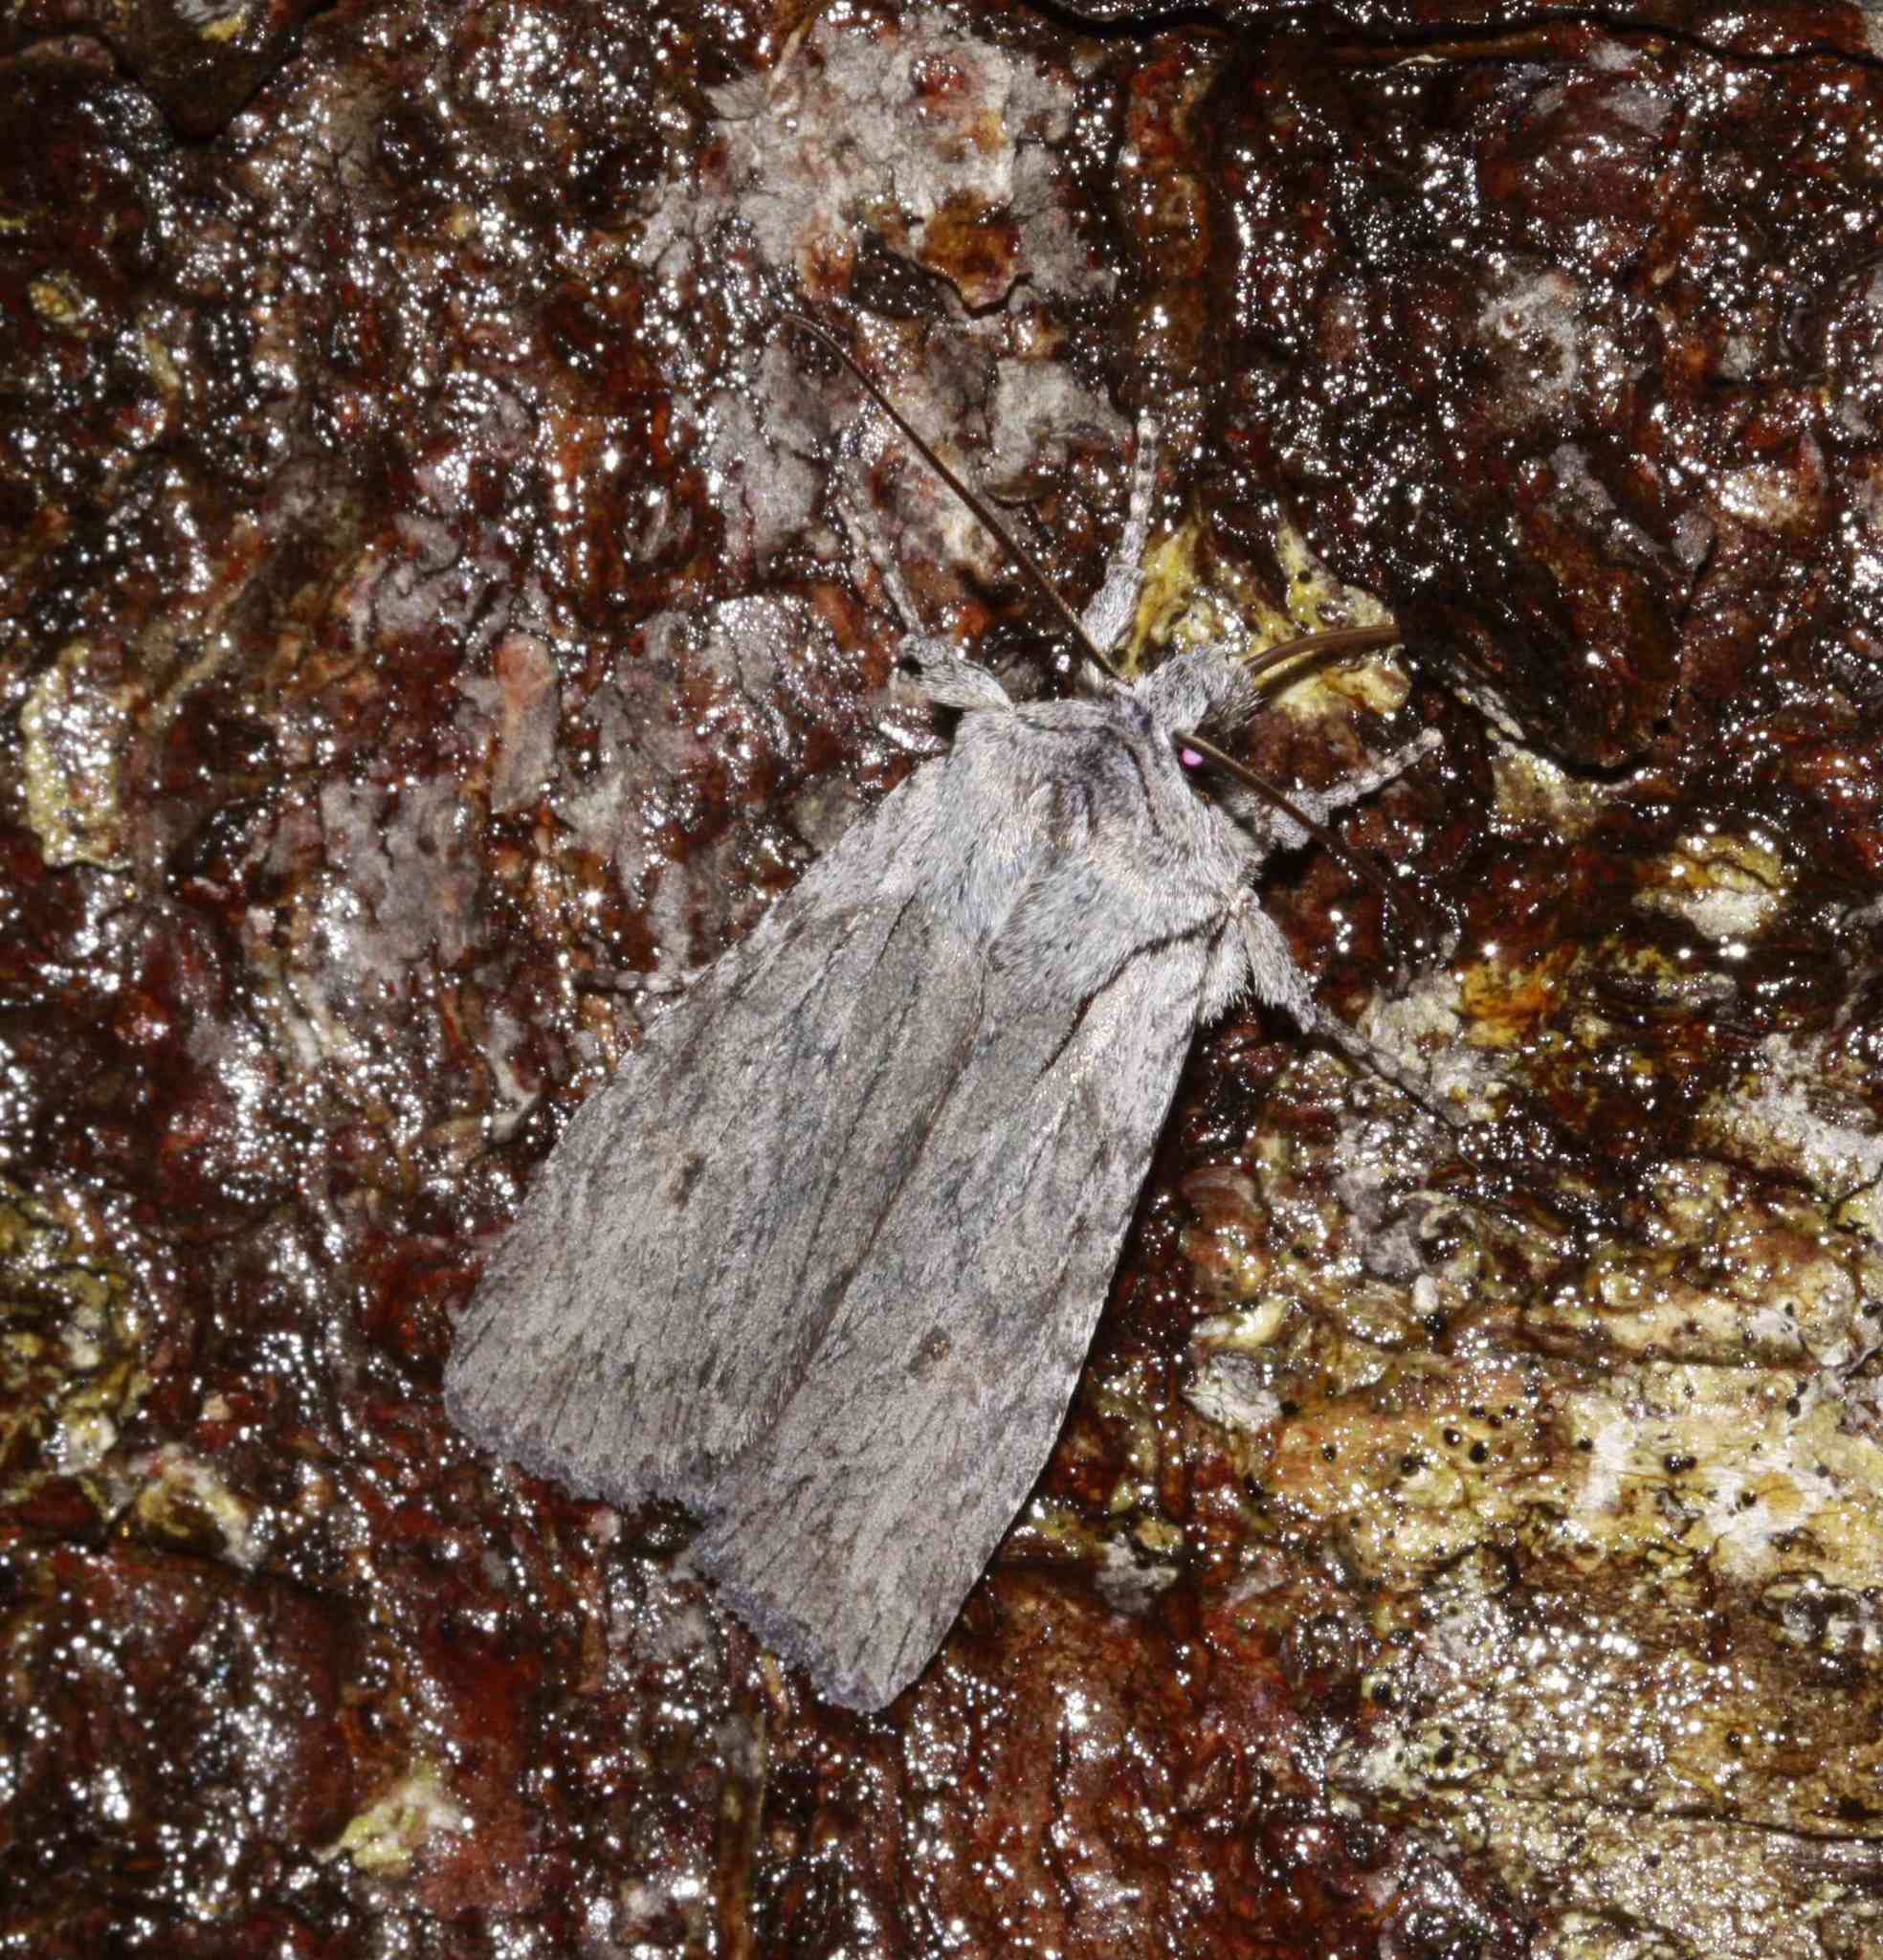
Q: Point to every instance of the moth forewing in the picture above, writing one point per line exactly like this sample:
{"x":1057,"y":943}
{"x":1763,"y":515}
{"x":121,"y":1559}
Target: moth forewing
{"x":849,"y":1535}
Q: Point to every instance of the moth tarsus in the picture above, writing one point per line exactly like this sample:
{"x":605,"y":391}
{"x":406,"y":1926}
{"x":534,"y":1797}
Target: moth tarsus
{"x":822,"y":1260}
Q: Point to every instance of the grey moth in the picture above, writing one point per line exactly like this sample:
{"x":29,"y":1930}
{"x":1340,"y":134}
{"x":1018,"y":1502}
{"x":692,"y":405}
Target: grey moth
{"x":823,"y":1260}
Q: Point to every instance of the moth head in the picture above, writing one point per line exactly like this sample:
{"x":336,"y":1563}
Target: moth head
{"x":1215,"y":778}
{"x":1194,"y":704}
{"x":1200,"y":693}
{"x":1201,"y":688}
{"x":1203,"y":694}
{"x":1196,"y":701}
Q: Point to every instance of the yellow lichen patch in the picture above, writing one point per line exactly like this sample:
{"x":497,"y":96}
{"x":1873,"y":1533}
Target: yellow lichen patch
{"x":73,"y":727}
{"x":1315,"y":598}
{"x":68,"y":1361}
{"x":1318,"y":602}
{"x":186,"y":1503}
{"x":386,"y":1837}
{"x":1726,"y":887}
{"x":1532,"y":791}
{"x":1247,"y":1332}
{"x":1418,"y":1471}
{"x":1157,"y":1536}
{"x":1758,"y":1474}
{"x":224,"y":27}
{"x":1178,"y":606}
{"x":163,"y":369}
{"x":1503,"y":1005}
{"x":1174,"y":606}
{"x":1225,"y":1240}
{"x":60,"y":302}
{"x":1726,"y":1274}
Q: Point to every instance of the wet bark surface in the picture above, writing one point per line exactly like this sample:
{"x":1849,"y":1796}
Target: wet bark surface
{"x":436,"y":601}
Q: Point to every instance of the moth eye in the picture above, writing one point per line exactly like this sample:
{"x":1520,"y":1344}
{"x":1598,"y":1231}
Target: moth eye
{"x":1187,"y":758}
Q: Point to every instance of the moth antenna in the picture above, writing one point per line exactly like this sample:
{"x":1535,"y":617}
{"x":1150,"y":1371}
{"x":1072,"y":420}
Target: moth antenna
{"x":1342,"y":639}
{"x":1339,"y":640}
{"x":1281,"y":800}
{"x":975,"y":502}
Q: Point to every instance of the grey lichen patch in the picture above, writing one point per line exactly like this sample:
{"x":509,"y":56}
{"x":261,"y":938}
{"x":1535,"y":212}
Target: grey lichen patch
{"x":1229,"y":1388}
{"x":1726,"y":887}
{"x":1039,"y":411}
{"x":73,"y":727}
{"x":398,"y":888}
{"x":1804,"y":1108}
{"x":1430,"y":1022}
{"x":734,"y":696}
{"x":1728,"y":1273}
{"x":1543,"y":1702}
{"x":927,"y":166}
{"x":928,"y":137}
{"x":1130,"y":1576}
{"x":386,"y":1837}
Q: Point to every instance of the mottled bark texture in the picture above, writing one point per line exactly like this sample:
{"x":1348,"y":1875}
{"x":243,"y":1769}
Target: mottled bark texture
{"x":424,"y":597}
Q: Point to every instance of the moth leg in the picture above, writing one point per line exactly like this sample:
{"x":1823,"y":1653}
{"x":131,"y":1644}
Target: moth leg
{"x":943,"y":676}
{"x":1109,"y":612}
{"x":1279,"y":830}
{"x":864,"y":539}
{"x":1267,"y":945}
{"x":1227,"y":977}
{"x":1274,"y":979}
{"x":1321,"y":804}
{"x":634,"y":980}
{"x":1357,"y":1049}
